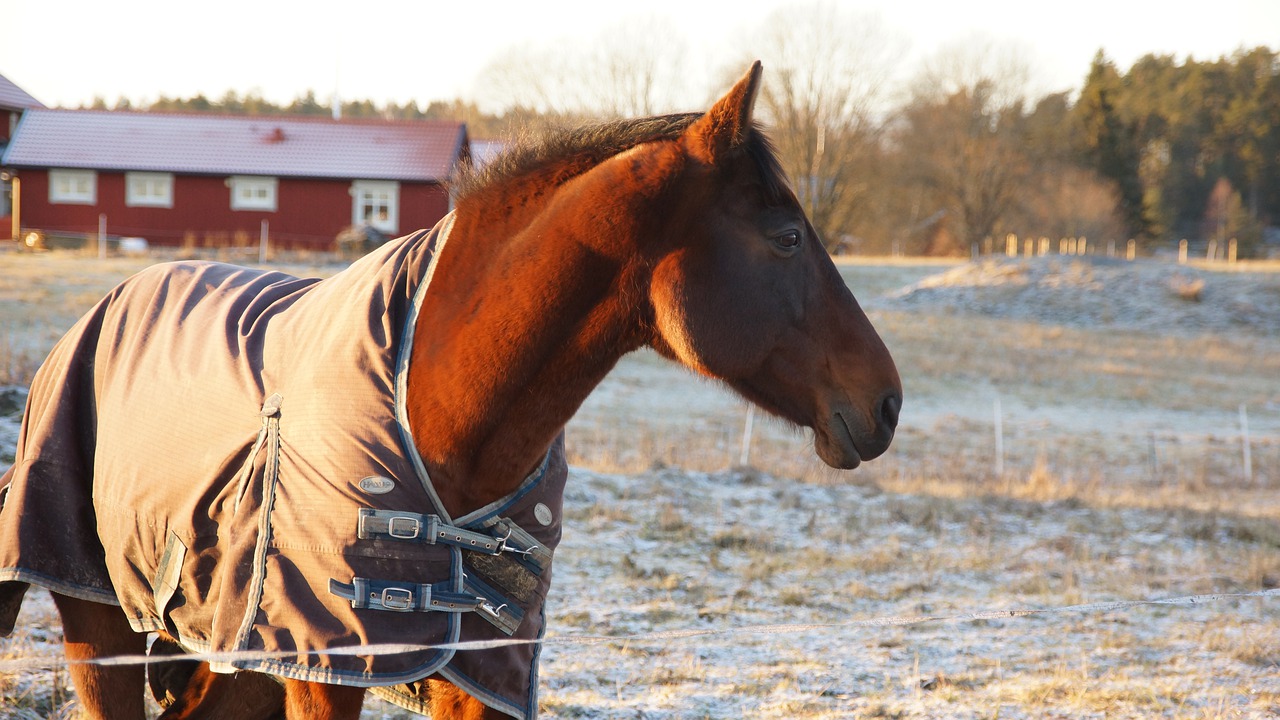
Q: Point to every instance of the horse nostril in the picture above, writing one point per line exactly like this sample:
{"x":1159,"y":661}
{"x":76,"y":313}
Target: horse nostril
{"x":889,"y":408}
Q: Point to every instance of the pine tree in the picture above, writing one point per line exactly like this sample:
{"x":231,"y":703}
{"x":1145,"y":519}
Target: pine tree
{"x":1110,"y":143}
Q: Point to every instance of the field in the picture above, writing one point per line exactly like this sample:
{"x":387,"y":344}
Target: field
{"x":748,"y":580}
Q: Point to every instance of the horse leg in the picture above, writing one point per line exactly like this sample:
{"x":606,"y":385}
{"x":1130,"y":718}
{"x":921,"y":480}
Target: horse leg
{"x":449,"y":702}
{"x":317,"y":701}
{"x":93,"y":630}
{"x":211,"y":696}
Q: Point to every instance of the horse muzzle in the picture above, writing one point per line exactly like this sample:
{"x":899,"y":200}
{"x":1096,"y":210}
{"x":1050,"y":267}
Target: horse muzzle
{"x":849,"y":436}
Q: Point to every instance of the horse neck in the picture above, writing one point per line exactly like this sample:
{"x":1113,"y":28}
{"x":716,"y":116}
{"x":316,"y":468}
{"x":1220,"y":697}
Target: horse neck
{"x":523,"y":319}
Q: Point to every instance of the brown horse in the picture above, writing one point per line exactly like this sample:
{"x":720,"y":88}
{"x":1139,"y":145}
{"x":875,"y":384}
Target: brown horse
{"x":678,"y":233}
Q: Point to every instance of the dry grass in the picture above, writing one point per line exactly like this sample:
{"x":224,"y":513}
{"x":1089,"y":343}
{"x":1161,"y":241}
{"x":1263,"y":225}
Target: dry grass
{"x":1122,"y":479}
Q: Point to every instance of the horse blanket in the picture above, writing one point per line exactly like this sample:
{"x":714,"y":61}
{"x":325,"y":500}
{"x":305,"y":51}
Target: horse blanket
{"x":224,"y":453}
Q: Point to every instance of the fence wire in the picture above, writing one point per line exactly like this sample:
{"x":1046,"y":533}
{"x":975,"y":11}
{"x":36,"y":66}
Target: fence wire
{"x":50,"y":660}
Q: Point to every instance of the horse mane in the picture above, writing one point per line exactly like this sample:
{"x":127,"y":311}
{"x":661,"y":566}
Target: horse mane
{"x":569,"y":152}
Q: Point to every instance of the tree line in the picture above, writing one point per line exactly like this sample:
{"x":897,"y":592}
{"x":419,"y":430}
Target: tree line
{"x":957,"y":156}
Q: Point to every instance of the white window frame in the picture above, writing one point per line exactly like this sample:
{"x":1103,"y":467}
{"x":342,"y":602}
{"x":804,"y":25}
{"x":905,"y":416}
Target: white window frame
{"x":73,"y":187}
{"x":254,"y":192}
{"x":148,"y":189}
{"x":368,"y":194}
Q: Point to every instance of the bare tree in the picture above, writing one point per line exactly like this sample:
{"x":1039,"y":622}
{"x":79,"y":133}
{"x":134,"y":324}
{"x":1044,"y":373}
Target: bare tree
{"x":635,"y":68}
{"x":827,"y":68}
{"x":962,"y":135}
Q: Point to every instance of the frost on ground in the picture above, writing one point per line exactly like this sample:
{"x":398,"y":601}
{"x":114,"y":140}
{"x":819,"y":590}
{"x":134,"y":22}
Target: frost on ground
{"x":725,"y":552}
{"x":1120,"y":387}
{"x":1092,"y":291}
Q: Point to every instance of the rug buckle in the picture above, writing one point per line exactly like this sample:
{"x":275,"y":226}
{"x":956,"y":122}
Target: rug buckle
{"x":403,"y":527}
{"x":399,"y":599}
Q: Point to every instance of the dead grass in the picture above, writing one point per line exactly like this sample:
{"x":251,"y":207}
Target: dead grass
{"x":1121,"y":480}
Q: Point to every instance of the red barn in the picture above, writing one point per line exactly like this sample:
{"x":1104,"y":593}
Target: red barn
{"x":210,"y":180}
{"x":13,"y":102}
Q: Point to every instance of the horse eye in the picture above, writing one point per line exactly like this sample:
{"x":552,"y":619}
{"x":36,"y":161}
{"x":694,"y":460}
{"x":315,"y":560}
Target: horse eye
{"x":789,"y":240}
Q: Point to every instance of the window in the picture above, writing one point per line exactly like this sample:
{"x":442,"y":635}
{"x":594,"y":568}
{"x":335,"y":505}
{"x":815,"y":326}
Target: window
{"x":376,"y":204}
{"x":143,"y":189}
{"x":253,"y":193}
{"x":73,"y":187}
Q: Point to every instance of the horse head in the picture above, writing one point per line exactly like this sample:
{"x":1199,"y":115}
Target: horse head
{"x":743,"y":290}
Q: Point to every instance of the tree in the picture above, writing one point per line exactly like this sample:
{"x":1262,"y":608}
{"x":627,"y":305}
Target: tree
{"x":635,"y":68}
{"x":963,"y":138}
{"x":1110,"y":144}
{"x":307,"y":105}
{"x":1225,"y":217}
{"x":1062,"y":196}
{"x":824,"y":99}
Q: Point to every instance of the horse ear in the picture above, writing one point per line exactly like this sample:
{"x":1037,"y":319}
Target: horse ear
{"x":727,"y":125}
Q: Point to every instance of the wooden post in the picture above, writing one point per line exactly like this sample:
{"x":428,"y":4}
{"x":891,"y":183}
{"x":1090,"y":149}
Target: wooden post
{"x":262,"y":244}
{"x":1044,"y":246}
{"x":102,"y":236}
{"x":1132,"y":252}
{"x":1231,"y":250}
{"x":1082,"y":246}
{"x":1212,"y":253}
{"x":17,"y":208}
{"x":1011,"y":245}
{"x":1182,"y":251}
{"x":745,"y":456}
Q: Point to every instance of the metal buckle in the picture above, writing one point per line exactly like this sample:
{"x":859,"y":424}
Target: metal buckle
{"x":504,"y":547}
{"x":394,"y":598}
{"x":487,"y":607}
{"x":414,"y":526}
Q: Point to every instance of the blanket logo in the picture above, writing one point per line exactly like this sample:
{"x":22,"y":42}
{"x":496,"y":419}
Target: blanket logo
{"x":377,"y":485}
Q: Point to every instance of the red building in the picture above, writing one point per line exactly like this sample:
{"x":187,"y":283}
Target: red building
{"x":210,"y":180}
{"x":13,"y":102}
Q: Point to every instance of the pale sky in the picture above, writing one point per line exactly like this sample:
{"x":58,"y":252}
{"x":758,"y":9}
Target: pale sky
{"x":64,"y":52}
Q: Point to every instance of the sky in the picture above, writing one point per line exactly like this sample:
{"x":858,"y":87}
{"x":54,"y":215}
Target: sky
{"x":66,"y":52}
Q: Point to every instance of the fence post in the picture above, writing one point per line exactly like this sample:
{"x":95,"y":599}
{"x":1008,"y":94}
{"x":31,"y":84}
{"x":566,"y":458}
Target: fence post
{"x":745,"y":456}
{"x":262,"y":244}
{"x":1151,"y":454}
{"x":1231,"y":250}
{"x":1182,"y":251}
{"x":999,"y":460}
{"x":1244,"y":442}
{"x":1133,"y":249}
{"x":102,"y":236}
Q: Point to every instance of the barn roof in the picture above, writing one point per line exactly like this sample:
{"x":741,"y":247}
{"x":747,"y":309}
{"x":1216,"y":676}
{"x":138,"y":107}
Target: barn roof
{"x":237,"y":145}
{"x":13,"y":97}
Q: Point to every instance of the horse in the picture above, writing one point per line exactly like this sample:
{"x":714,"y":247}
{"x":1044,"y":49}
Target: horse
{"x":455,"y":377}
